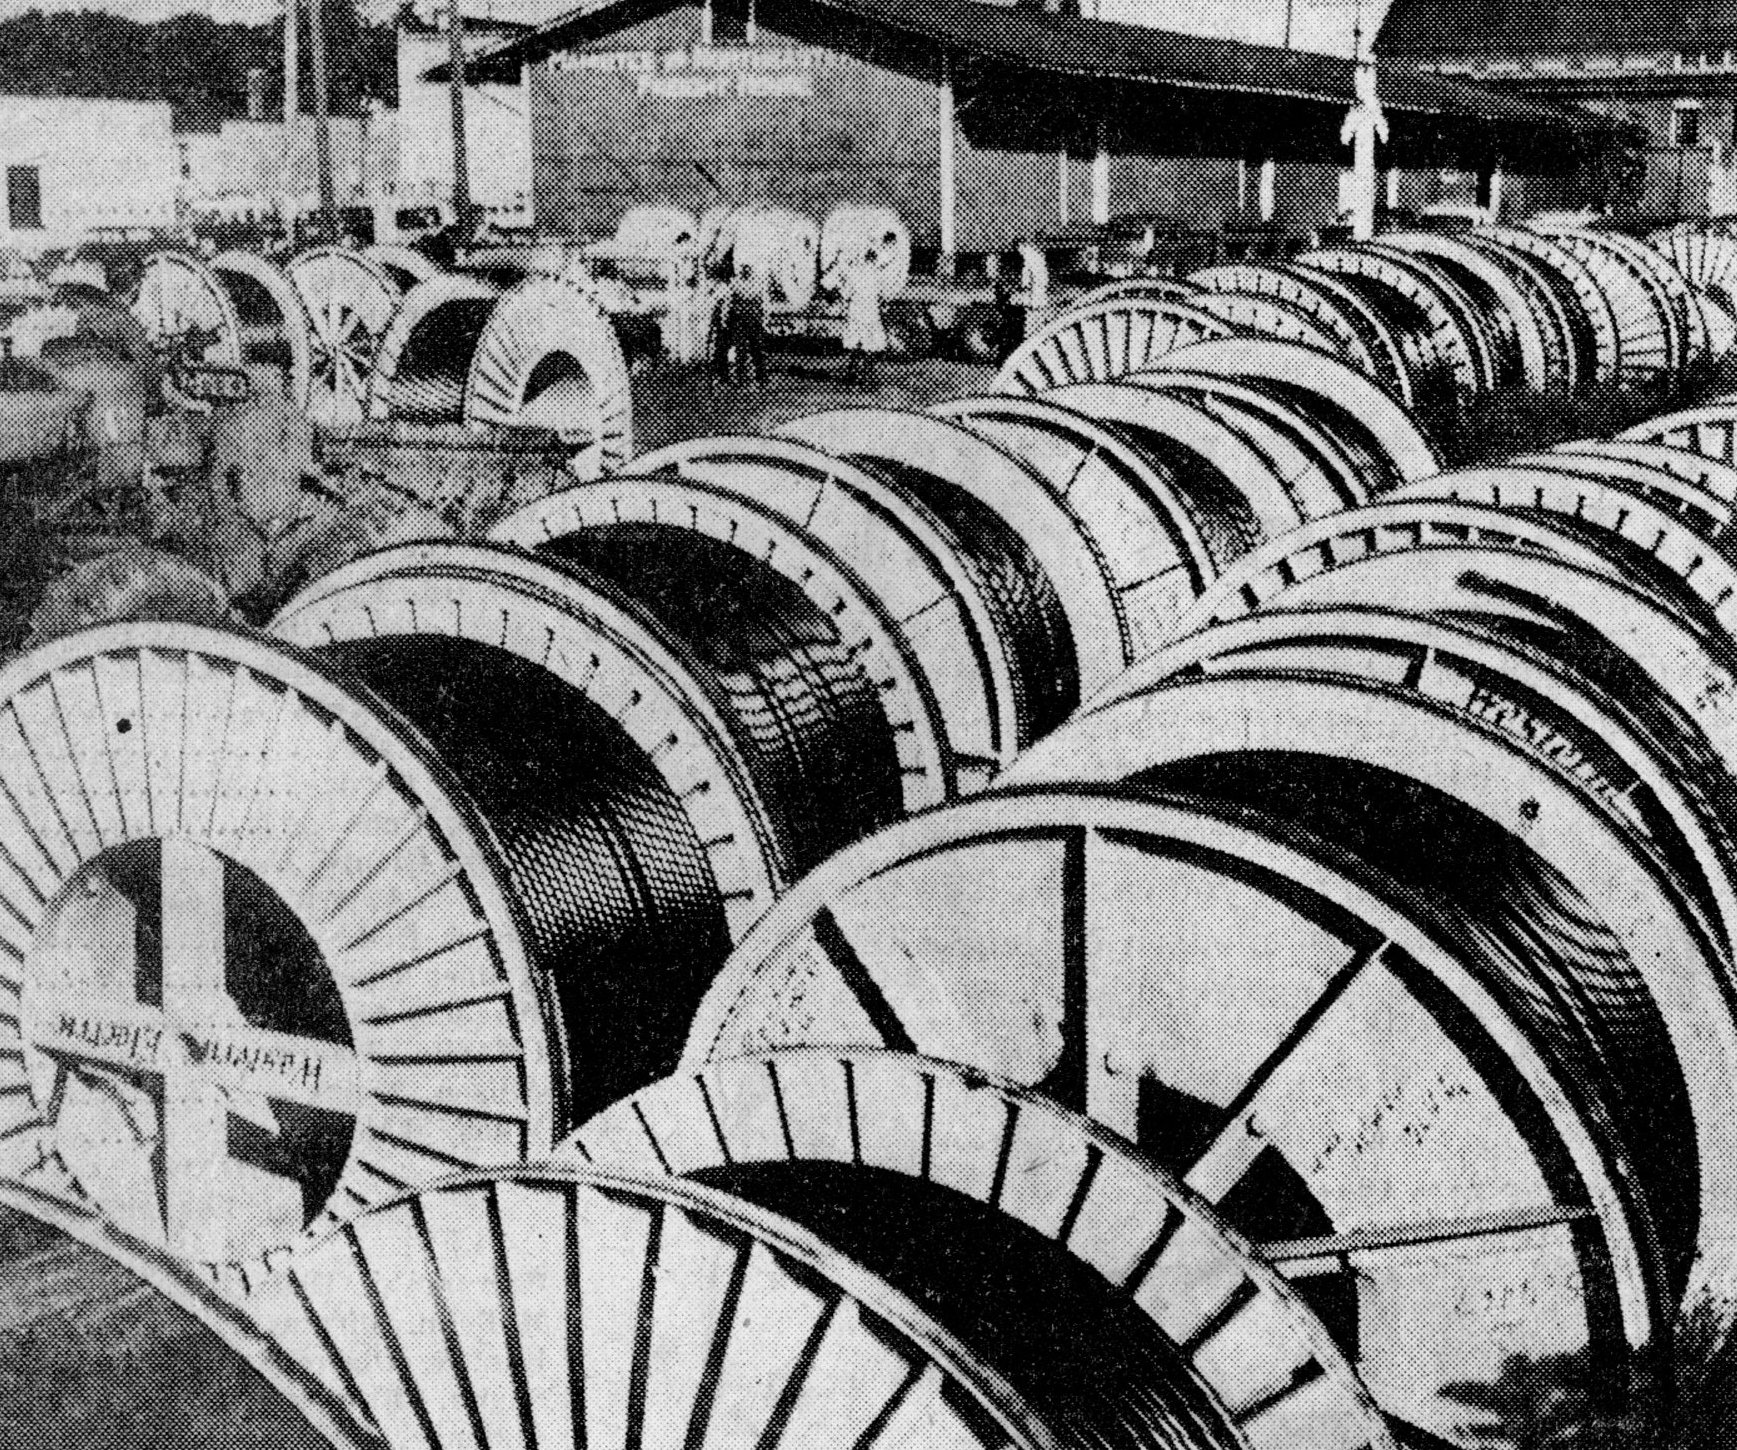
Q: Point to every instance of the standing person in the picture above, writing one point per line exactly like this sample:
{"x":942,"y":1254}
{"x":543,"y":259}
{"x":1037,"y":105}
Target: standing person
{"x":748,"y":322}
{"x":865,"y":334}
{"x":720,"y":274}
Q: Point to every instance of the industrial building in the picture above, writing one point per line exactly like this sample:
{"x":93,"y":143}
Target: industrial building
{"x":978,"y":124}
{"x":71,"y":164}
{"x":1669,"y":69}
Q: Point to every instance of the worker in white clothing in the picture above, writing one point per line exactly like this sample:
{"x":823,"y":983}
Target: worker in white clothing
{"x":865,"y":333}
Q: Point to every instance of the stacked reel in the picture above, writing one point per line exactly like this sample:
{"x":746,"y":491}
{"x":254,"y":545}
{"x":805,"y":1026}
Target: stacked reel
{"x":1135,"y":909}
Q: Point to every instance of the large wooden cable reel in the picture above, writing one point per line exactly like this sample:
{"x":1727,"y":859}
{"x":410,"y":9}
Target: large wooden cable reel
{"x":1664,"y":541}
{"x":1325,"y":465}
{"x":1229,"y":489}
{"x":275,"y":329}
{"x":405,"y":265}
{"x":1048,"y":568}
{"x":1102,"y":342}
{"x":926,"y":573}
{"x":1364,"y":336}
{"x":1266,"y":317}
{"x":783,"y":246}
{"x":747,"y":747}
{"x":1154,"y":289}
{"x":1711,"y":476}
{"x":1707,"y":261}
{"x":1322,"y":959}
{"x":1555,"y":308}
{"x":1326,"y":387}
{"x":419,"y":363}
{"x":1508,"y":304}
{"x":204,"y":779}
{"x":850,"y":232}
{"x":350,"y":299}
{"x":1710,"y":430}
{"x":1651,"y":339}
{"x":1534,"y":577}
{"x":564,"y":1306}
{"x":187,"y":311}
{"x":653,"y":502}
{"x":1596,"y":312}
{"x":887,"y":1131}
{"x":1681,"y":303}
{"x":1450,"y":323}
{"x":1127,"y":497}
{"x":550,"y":358}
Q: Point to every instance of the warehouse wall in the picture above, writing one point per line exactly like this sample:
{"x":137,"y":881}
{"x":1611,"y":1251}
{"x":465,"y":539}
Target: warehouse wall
{"x":600,"y":143}
{"x":98,"y":163}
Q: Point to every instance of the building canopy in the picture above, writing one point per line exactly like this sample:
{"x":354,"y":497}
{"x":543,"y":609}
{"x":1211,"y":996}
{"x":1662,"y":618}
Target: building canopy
{"x":1041,"y":81}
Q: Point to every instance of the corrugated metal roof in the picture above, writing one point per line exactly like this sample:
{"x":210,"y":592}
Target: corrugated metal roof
{"x":1105,"y":51}
{"x":1426,"y":29}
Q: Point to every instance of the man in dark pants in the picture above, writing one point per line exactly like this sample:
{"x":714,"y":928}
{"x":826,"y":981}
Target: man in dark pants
{"x":748,"y":321}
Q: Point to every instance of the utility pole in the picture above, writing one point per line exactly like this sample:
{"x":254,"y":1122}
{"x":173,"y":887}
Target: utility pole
{"x":1290,"y":9}
{"x":455,"y":90}
{"x":322,"y":119}
{"x":292,"y":65}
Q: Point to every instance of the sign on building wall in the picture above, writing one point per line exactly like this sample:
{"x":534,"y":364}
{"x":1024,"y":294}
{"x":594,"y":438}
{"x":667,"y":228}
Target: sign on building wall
{"x":707,"y":72}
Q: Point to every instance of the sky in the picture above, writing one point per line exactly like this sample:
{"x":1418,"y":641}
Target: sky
{"x":1315,"y":24}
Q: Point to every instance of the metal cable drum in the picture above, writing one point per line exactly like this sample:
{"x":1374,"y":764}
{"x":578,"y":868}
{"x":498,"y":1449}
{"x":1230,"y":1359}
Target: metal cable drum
{"x":1322,"y":386}
{"x":634,"y":510}
{"x":550,"y":358}
{"x":1363,"y":335}
{"x":186,"y":310}
{"x":1521,"y":340}
{"x":275,"y":330}
{"x":419,"y":362}
{"x":1442,"y":342}
{"x":1678,"y":548}
{"x":670,"y":1309}
{"x":1103,"y":342}
{"x":1577,"y":276}
{"x":1320,"y":464}
{"x":1650,"y":341}
{"x":350,"y":299}
{"x":405,"y":265}
{"x":155,"y":1310}
{"x":375,"y":979}
{"x":1710,"y":430}
{"x":914,"y":560}
{"x":661,"y":739}
{"x":1571,"y":350}
{"x":1380,"y":1046}
{"x":1125,"y":495}
{"x":1032,"y":553}
{"x":845,"y":1136}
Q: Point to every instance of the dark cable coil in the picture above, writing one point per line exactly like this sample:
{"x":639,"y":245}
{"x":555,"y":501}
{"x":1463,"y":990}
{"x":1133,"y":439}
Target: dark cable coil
{"x":623,"y":918}
{"x":1019,"y":594}
{"x":1094,"y":1367}
{"x":428,"y":381}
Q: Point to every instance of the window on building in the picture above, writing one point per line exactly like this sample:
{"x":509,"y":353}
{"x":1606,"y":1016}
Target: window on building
{"x":24,"y":198}
{"x":1686,"y":123}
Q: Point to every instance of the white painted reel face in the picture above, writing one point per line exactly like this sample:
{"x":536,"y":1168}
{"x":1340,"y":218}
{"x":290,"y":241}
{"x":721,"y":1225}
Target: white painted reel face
{"x":1313,"y":1067}
{"x":188,"y":1047}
